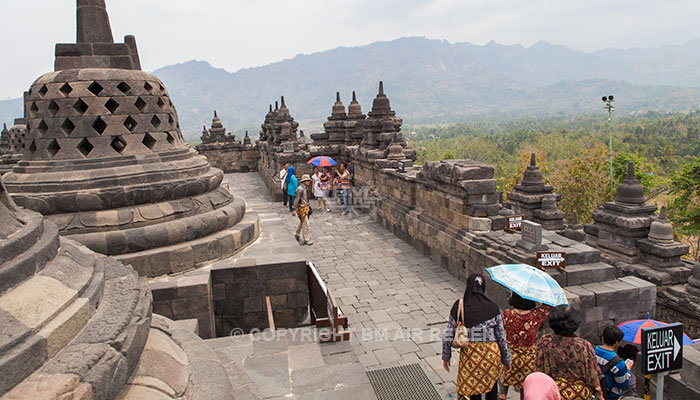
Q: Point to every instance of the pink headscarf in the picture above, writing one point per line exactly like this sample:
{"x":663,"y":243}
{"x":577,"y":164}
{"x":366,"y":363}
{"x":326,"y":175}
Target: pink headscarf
{"x":538,"y":386}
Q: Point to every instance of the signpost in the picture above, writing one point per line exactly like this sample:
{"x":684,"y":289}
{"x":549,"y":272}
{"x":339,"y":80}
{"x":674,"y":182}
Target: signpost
{"x":662,"y":351}
{"x":513,"y":223}
{"x":551,"y":259}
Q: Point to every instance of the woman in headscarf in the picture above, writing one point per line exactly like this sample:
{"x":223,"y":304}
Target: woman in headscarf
{"x":522,"y":323}
{"x":568,"y":359}
{"x":291,"y":187}
{"x":484,"y":357}
{"x":539,"y":386}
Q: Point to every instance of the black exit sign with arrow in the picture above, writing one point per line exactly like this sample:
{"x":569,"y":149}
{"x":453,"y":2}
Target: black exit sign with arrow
{"x":662,"y":348}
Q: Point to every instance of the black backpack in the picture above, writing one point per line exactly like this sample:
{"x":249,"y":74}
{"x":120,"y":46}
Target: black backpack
{"x":604,"y":372}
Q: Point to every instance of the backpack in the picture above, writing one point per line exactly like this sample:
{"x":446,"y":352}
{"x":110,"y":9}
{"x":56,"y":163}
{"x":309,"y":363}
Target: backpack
{"x":604,"y":372}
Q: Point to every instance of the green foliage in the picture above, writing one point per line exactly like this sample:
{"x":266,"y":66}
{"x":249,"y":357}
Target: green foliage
{"x":574,"y":151}
{"x":684,"y":210}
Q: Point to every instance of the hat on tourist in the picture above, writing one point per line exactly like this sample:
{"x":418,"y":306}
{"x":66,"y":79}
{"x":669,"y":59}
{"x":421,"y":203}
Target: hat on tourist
{"x":305,"y":177}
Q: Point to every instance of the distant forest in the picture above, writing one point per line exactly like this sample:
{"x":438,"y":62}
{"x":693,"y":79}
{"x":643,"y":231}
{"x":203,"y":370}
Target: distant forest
{"x":573,"y":154}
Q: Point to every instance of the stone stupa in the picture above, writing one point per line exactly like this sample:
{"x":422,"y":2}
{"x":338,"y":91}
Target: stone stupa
{"x":104,"y":159}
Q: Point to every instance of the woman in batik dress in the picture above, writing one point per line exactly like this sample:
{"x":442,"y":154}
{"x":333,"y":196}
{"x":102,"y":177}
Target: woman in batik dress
{"x":522,"y":323}
{"x":482,"y":361}
{"x":568,"y":359}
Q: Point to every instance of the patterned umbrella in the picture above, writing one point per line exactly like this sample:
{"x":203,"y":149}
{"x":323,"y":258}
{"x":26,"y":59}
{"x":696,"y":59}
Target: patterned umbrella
{"x":529,"y":282}
{"x":633,"y":330}
{"x":322,"y":161}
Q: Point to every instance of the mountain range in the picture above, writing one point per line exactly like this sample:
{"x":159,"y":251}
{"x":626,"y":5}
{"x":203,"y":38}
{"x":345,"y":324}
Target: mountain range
{"x":434,"y":81}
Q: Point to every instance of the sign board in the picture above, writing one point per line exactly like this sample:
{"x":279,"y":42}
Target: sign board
{"x":662,"y":348}
{"x":401,"y":167}
{"x":513,"y":223}
{"x":551,"y":259}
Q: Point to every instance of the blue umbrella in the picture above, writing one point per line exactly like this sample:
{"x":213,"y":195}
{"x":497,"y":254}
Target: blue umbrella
{"x":529,"y":282}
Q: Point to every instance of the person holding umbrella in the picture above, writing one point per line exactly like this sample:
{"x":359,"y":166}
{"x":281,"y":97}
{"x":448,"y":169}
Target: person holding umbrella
{"x":485,"y":356}
{"x":522,"y":323}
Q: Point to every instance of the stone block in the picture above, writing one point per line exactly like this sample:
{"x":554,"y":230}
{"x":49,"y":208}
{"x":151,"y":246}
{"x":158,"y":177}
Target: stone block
{"x":253,"y":304}
{"x":192,"y":286}
{"x":283,"y":286}
{"x":163,"y":290}
{"x":189,"y":306}
{"x":163,"y":308}
{"x":219,"y":291}
{"x":479,"y":224}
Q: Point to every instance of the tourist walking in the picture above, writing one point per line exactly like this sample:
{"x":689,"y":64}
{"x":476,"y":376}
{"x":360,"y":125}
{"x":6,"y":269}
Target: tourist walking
{"x":483,"y":358}
{"x":291,"y":181}
{"x":539,"y":386}
{"x":522,"y":323}
{"x":318,"y":189}
{"x":326,"y":182}
{"x":302,"y":207}
{"x":568,"y":359}
{"x":283,"y":183}
{"x":344,"y":176}
{"x":615,"y":369}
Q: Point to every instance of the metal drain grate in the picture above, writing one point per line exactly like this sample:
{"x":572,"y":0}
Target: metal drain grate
{"x":405,"y":382}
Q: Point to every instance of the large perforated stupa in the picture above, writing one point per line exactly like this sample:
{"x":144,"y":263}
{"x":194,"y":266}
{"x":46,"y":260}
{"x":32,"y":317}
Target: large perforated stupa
{"x":104,"y":159}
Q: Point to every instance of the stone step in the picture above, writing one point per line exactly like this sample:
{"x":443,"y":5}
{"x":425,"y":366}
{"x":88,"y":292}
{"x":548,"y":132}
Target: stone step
{"x":210,"y":380}
{"x":43,"y":249}
{"x":45,"y":312}
{"x":193,"y":254}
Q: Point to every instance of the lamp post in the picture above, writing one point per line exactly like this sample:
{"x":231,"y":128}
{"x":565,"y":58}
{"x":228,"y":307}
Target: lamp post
{"x":608,"y":100}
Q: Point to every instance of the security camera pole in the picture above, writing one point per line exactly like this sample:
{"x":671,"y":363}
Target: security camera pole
{"x":608,"y":100}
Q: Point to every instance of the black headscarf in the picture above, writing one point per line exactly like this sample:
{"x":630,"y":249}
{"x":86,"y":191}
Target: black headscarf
{"x":477,"y":307}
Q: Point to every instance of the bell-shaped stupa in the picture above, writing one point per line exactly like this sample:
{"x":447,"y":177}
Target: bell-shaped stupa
{"x":104,"y":159}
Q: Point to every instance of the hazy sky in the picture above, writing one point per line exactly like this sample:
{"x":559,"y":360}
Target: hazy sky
{"x":234,"y":34}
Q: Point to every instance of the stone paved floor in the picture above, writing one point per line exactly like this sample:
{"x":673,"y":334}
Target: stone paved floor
{"x":396,"y":299}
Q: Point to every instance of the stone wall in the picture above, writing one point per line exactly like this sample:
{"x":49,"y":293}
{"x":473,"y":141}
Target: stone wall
{"x":185,"y":298}
{"x":235,"y":159}
{"x":240,"y":291}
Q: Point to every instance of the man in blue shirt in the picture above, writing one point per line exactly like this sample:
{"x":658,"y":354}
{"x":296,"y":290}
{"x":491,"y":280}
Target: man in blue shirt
{"x":619,"y":375}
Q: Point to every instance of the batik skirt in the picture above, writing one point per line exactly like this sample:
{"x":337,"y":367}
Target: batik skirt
{"x":522,"y":366}
{"x":573,"y":389}
{"x":479,"y":368}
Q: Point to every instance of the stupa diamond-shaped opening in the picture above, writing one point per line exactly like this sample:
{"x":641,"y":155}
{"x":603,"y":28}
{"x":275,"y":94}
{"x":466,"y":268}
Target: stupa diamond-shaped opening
{"x":124,"y":87}
{"x":80,"y":106}
{"x":85,"y":147}
{"x":111,"y":105}
{"x":130,"y":123}
{"x":160,"y":103}
{"x":99,"y":126}
{"x":42,"y":127}
{"x":148,"y":87}
{"x":43,"y":91}
{"x":140,"y":104}
{"x":118,"y":144}
{"x":155,"y":121}
{"x":95,"y":88}
{"x":53,"y":108}
{"x":169,"y":138}
{"x":149,"y":141}
{"x":65,"y":89}
{"x":32,"y":147}
{"x":67,"y":127}
{"x":53,"y":148}
{"x":33,"y":109}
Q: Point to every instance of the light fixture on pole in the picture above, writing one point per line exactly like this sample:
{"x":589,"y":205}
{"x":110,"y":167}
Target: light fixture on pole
{"x":608,"y":100}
